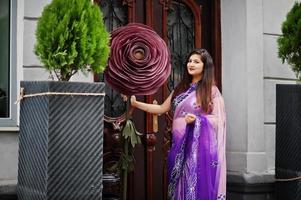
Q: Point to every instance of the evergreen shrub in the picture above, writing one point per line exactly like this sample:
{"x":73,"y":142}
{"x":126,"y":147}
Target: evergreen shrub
{"x":71,"y":36}
{"x":289,"y":44}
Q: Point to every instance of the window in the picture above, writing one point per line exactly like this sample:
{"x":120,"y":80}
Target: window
{"x":8,"y":61}
{"x":4,"y":58}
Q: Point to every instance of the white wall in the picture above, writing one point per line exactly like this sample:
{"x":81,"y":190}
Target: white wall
{"x":251,"y":69}
{"x":274,"y":71}
{"x":8,"y":157}
{"x":242,"y":47}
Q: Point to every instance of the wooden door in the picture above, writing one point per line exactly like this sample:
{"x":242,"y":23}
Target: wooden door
{"x":184,"y":25}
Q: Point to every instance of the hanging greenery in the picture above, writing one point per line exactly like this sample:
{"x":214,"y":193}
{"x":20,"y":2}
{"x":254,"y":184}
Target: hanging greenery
{"x":127,"y":160}
{"x":71,"y":36}
{"x":289,"y":44}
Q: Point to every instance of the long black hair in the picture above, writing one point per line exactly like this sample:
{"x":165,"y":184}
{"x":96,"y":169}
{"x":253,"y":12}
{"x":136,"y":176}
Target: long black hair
{"x":204,"y":86}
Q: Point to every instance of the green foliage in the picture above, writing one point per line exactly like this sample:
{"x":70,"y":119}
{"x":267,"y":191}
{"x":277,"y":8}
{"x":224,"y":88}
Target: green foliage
{"x":129,"y":132}
{"x":289,"y":44}
{"x":131,"y":136}
{"x":71,"y":36}
{"x":126,"y":164}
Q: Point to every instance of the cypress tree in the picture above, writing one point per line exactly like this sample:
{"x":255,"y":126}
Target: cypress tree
{"x":71,"y":36}
{"x":289,"y":44}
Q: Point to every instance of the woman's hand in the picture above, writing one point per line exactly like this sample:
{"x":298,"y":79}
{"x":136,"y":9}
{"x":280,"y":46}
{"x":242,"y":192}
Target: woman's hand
{"x":189,"y":118}
{"x":133,"y":101}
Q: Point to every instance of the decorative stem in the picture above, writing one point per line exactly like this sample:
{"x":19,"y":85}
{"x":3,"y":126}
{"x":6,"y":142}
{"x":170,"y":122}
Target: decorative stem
{"x":131,"y":137}
{"x":129,"y":109}
{"x":125,"y":171}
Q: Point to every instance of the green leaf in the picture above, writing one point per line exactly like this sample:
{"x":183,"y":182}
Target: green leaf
{"x":126,"y":131}
{"x":129,"y":131}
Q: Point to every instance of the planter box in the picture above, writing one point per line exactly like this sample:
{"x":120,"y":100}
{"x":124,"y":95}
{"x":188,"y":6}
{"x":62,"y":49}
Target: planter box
{"x":288,"y":141}
{"x":61,"y":142}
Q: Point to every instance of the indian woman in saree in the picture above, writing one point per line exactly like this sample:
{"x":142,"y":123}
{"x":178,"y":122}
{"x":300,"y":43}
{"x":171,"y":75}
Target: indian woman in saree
{"x":196,"y":161}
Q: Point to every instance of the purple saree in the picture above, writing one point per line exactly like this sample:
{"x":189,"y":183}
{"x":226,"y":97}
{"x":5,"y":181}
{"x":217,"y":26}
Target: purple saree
{"x":196,"y":161}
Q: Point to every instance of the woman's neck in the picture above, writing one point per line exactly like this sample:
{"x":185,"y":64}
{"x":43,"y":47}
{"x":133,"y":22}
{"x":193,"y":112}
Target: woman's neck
{"x":196,"y":79}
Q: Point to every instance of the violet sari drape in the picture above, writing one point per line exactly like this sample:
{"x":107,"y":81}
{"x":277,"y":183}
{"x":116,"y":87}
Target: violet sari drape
{"x":196,"y":161}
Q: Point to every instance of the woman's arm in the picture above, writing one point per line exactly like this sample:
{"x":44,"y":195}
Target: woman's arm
{"x":152,"y":108}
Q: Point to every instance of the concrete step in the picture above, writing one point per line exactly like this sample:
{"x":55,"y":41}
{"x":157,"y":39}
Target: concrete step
{"x":8,"y":190}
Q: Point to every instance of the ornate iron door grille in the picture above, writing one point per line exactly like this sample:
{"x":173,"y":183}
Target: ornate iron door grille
{"x":180,"y":34}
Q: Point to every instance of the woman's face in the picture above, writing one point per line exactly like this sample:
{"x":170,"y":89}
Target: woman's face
{"x":195,"y":66}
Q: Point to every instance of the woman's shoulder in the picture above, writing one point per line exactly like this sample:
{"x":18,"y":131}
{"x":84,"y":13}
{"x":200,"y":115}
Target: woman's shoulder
{"x":215,"y":92}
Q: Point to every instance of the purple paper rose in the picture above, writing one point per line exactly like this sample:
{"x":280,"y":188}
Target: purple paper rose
{"x":139,"y":60}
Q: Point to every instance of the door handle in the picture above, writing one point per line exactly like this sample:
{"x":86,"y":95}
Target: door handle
{"x":155,"y":119}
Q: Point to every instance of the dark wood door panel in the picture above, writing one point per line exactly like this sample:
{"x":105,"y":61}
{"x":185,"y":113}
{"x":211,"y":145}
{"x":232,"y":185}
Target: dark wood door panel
{"x":149,"y":180}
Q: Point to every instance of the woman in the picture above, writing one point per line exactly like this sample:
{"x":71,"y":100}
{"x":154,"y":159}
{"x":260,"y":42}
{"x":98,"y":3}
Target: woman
{"x":196,"y":161}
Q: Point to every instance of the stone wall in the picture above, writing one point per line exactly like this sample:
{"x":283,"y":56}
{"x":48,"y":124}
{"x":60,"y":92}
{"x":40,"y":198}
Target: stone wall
{"x":251,"y":69}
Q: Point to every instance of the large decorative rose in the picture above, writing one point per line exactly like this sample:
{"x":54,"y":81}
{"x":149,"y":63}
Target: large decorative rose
{"x":139,"y":60}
